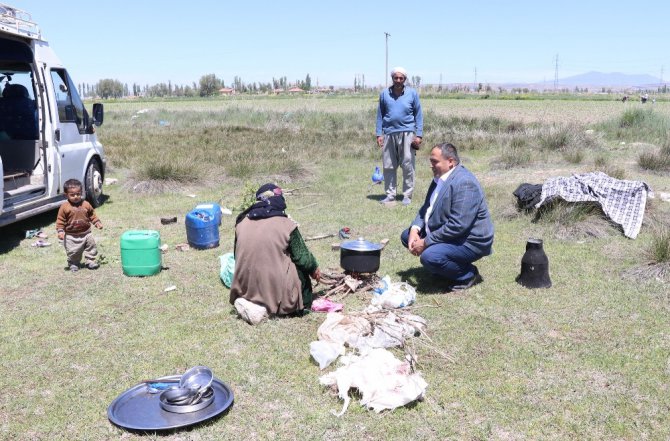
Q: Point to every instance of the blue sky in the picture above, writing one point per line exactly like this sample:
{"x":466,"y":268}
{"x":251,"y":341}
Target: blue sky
{"x":150,"y":41}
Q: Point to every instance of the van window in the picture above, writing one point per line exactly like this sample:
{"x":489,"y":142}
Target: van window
{"x":18,"y":112}
{"x":70,"y":107}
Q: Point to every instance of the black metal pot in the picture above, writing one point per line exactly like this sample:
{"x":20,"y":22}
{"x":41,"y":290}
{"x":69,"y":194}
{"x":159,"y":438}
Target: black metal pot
{"x":360,"y":256}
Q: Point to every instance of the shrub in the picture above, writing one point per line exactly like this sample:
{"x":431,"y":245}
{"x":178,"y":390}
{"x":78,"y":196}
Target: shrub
{"x":633,"y":117}
{"x":659,"y":249}
{"x":168,"y":171}
{"x":600,"y":162}
{"x":516,"y":154}
{"x":642,"y":125}
{"x":573,"y":155}
{"x":248,"y":196}
{"x":555,"y":138}
{"x":615,"y":172}
{"x":657,"y":161}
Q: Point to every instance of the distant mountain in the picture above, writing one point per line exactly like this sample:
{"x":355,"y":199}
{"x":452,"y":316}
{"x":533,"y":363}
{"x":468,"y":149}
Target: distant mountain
{"x":614,"y":79}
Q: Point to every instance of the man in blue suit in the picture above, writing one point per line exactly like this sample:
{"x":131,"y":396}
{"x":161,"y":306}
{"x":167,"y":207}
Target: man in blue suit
{"x":453,"y":227}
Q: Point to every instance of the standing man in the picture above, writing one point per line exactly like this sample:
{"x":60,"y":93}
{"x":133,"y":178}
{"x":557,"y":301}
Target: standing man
{"x":399,"y":133}
{"x":453,"y":227}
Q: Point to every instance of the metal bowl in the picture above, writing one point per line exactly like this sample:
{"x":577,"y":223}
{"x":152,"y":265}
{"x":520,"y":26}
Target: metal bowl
{"x":173,"y":400}
{"x":178,"y":396}
{"x":197,"y":378}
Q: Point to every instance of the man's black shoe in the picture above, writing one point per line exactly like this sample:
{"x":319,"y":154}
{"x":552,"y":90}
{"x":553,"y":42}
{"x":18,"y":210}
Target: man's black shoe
{"x":477,"y":278}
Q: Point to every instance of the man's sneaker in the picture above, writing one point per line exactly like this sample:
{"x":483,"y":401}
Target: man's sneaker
{"x":387,"y":200}
{"x":92,"y":265}
{"x":406,"y":201}
{"x":250,"y":312}
{"x":74,"y":268}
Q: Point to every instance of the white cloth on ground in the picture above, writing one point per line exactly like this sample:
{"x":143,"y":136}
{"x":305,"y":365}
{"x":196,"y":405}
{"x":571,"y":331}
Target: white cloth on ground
{"x":623,"y":201}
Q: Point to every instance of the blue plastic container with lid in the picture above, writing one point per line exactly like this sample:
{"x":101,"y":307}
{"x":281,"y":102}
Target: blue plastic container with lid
{"x":202,"y":229}
{"x":213,"y":208}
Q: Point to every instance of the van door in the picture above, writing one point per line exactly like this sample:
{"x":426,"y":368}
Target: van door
{"x":70,"y":138}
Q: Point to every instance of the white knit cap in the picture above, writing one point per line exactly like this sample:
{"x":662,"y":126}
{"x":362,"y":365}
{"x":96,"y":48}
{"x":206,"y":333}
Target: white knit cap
{"x":400,"y":70}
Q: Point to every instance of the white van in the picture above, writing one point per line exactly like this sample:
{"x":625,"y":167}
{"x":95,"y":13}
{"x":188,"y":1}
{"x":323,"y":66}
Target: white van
{"x":46,"y":135}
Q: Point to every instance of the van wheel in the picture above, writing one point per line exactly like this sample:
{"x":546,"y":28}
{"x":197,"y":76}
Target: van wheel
{"x":94,"y":184}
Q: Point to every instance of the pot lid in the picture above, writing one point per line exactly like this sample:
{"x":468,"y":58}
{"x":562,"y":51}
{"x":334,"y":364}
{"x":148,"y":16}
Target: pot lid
{"x":360,"y":244}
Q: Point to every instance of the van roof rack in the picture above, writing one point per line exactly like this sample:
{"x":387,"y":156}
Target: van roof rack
{"x":18,"y":22}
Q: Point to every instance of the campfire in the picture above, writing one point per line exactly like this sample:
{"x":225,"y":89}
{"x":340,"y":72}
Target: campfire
{"x":347,"y":282}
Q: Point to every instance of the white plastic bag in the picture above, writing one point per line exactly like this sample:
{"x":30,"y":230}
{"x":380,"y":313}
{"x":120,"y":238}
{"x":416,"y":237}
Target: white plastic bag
{"x":398,"y":295}
{"x":325,"y":352}
{"x":384,"y":382}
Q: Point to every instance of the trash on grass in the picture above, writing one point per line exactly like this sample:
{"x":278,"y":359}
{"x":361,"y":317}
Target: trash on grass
{"x":383,"y":381}
{"x":41,"y":244}
{"x":170,"y":288}
{"x":227,"y":269}
{"x":323,"y":304}
{"x":325,"y":352}
{"x":393,"y":295}
{"x":36,"y":233}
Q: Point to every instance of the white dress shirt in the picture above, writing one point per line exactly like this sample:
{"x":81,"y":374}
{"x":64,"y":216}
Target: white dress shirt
{"x":433,"y":197}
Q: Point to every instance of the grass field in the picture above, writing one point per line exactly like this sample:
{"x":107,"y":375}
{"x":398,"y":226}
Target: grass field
{"x":588,"y":358}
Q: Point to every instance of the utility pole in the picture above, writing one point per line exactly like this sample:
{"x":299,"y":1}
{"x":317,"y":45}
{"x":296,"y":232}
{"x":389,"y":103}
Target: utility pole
{"x":386,"y":74}
{"x":662,"y":76}
{"x":556,"y":74}
{"x":474,"y":85}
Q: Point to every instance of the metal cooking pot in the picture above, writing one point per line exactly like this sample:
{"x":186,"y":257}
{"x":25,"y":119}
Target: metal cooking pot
{"x":360,"y":256}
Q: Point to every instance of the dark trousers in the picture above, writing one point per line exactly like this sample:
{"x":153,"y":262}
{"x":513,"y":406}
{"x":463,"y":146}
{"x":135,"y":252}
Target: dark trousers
{"x":448,"y":260}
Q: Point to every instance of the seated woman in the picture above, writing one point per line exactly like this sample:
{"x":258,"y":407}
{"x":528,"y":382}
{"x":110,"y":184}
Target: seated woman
{"x":272,"y":263}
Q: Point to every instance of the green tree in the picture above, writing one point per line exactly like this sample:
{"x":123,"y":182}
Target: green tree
{"x":307,"y":85}
{"x":109,"y":88}
{"x":209,"y":85}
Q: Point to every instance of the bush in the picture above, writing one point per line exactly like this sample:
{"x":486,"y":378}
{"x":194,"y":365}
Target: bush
{"x":641,"y":125}
{"x":168,"y":171}
{"x":556,"y":138}
{"x":659,"y":249}
{"x":600,"y":162}
{"x":657,"y":161}
{"x":573,"y":155}
{"x":634,"y":118}
{"x":516,"y":154}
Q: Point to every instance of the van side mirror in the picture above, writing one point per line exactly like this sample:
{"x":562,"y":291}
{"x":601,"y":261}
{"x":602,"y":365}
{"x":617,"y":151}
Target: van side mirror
{"x":98,"y":114}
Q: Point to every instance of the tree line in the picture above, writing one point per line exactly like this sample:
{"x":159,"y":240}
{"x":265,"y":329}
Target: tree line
{"x":208,"y":85}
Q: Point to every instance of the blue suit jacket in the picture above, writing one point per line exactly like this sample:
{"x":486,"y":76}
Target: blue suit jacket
{"x":460,"y":215}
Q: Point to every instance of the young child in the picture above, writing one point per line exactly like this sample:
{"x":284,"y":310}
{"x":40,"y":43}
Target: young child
{"x":74,"y":221}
